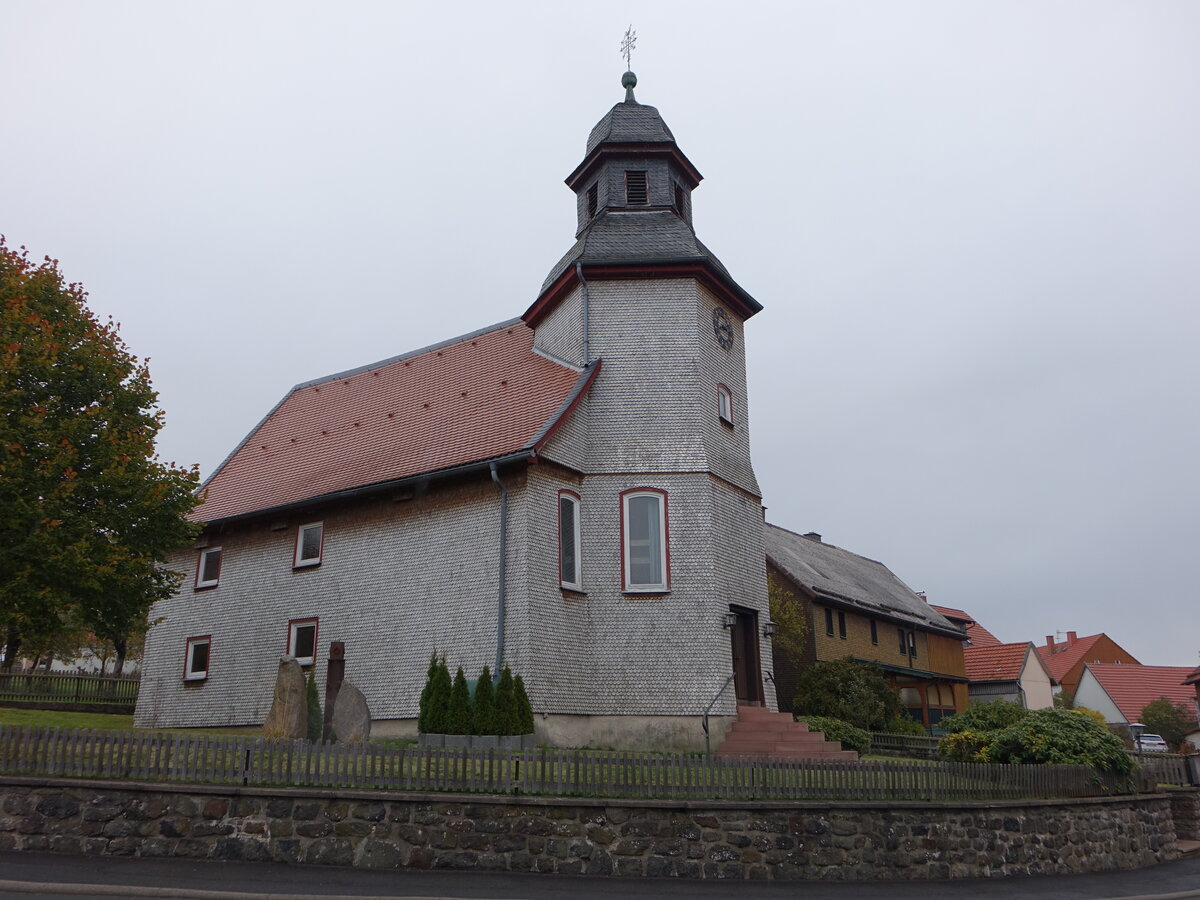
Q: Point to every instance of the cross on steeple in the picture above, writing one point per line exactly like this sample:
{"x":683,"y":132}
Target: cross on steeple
{"x":627,"y":45}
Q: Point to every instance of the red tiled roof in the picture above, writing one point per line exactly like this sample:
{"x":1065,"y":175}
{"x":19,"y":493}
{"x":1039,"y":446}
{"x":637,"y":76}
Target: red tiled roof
{"x":476,"y":398}
{"x":1063,"y":657}
{"x":976,"y":633}
{"x":1133,"y":687}
{"x":999,"y":662}
{"x":1194,"y":677}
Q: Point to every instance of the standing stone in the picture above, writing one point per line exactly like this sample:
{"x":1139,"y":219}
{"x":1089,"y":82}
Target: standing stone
{"x":289,"y":707}
{"x":351,"y":716}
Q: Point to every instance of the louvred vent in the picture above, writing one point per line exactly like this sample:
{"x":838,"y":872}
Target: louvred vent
{"x":636,"y":192}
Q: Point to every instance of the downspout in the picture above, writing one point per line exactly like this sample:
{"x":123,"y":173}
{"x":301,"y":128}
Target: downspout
{"x":583,"y":287}
{"x":503,"y":570}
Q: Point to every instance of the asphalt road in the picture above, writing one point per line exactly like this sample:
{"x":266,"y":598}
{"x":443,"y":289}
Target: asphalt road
{"x":48,"y":875}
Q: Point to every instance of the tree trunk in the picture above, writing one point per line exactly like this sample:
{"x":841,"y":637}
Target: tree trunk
{"x":121,"y":645}
{"x":12,"y":646}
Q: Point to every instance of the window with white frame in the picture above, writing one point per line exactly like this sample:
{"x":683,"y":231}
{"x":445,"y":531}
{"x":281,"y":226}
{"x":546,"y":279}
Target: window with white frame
{"x":208,"y":567}
{"x":310,"y":541}
{"x":725,"y":404}
{"x":644,"y":539}
{"x":569,"y":561}
{"x":195,"y":665}
{"x":302,"y":640}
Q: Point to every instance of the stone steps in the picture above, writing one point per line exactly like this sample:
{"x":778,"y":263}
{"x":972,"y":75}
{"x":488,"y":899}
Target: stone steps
{"x":760,"y":732}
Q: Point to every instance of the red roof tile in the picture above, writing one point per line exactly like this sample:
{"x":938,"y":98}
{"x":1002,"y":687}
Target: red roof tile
{"x":999,"y":662}
{"x":1063,"y":657}
{"x":1133,"y":687}
{"x":976,"y":633}
{"x":476,"y":398}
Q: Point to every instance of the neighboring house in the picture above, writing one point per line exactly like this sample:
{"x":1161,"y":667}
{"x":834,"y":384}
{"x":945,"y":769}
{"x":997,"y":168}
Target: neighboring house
{"x":1194,"y":680}
{"x":569,"y":492}
{"x":856,"y":607}
{"x":1013,"y":672}
{"x":977,"y":635}
{"x":1066,"y":660}
{"x":1121,"y":692}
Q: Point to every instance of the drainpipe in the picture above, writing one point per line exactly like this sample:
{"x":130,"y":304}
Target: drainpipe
{"x":583,"y":286}
{"x":503,"y":572}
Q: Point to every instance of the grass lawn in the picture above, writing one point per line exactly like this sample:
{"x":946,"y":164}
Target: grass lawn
{"x":53,"y":718}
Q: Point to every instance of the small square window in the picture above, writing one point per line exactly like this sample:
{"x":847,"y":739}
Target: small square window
{"x":195,"y":666}
{"x":725,"y":404}
{"x":568,"y":541}
{"x":208,"y":568}
{"x":310,"y":540}
{"x":829,"y":621}
{"x":302,"y":640}
{"x":842,"y":625}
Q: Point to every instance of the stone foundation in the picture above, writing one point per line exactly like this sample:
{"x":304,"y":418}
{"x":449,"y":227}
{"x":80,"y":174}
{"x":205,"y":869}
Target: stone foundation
{"x":1185,"y":812}
{"x":834,"y":841}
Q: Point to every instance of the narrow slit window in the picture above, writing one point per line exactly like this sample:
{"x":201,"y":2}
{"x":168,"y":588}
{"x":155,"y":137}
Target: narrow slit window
{"x":637,"y":189}
{"x":644,"y":515}
{"x":195,"y":666}
{"x":208,"y":568}
{"x":842,"y":625}
{"x":310,"y":543}
{"x":725,"y":404}
{"x":302,"y":640}
{"x":568,"y":541}
{"x":593,"y":200}
{"x":912,"y":643}
{"x":903,"y":642}
{"x":829,"y":622}
{"x":874,"y":632}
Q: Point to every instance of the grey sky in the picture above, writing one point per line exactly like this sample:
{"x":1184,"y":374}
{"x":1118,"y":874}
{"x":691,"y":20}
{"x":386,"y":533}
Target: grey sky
{"x":974,"y":227}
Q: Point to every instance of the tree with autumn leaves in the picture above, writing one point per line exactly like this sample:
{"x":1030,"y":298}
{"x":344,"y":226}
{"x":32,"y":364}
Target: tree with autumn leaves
{"x":88,"y":513}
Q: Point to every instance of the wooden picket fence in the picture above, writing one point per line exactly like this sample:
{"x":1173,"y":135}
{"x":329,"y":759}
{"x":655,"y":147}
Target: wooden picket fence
{"x":919,"y":745}
{"x":1163,"y":768}
{"x":63,"y":690}
{"x":218,"y":759}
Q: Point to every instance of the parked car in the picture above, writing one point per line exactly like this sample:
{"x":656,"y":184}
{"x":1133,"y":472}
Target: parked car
{"x":1153,"y":743}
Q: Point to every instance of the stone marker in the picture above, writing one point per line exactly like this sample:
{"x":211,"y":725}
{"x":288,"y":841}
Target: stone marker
{"x":288,"y":717}
{"x":351,"y":716}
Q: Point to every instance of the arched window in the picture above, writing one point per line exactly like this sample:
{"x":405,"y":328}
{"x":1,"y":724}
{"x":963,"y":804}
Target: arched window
{"x":644,"y":540}
{"x":569,"y":559}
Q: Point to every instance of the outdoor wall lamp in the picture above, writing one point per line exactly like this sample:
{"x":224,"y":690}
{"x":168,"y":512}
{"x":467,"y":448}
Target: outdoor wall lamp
{"x":729,"y":619}
{"x":769,"y":629}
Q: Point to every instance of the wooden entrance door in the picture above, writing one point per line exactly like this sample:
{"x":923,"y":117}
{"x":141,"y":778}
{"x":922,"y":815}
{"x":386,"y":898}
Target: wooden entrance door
{"x":747,"y":672}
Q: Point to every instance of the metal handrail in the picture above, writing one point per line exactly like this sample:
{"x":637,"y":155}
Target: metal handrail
{"x":708,"y":709}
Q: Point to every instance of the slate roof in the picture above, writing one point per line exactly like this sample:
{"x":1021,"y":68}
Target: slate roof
{"x":976,"y":633}
{"x":630,"y":123}
{"x":998,"y":662}
{"x":1063,"y":657}
{"x":1133,"y":687}
{"x":855,"y":580}
{"x":482,"y":396}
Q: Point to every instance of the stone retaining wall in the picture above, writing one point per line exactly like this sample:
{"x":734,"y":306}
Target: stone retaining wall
{"x":837,"y":841}
{"x":1185,"y":812}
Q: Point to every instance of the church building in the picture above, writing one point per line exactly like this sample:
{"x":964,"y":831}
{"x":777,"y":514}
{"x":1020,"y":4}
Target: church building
{"x":569,"y":492}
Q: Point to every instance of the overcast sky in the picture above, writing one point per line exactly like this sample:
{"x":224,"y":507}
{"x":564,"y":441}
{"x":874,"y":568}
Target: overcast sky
{"x":974,"y":226}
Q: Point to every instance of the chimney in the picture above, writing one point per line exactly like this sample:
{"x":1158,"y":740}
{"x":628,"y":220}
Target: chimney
{"x":813,"y":536}
{"x":1070,"y":638}
{"x":1050,"y":642}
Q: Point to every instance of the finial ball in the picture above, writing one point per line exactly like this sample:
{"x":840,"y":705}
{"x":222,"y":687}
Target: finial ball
{"x":628,"y":80}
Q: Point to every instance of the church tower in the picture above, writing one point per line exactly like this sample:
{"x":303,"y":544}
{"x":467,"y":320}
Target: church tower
{"x":663,"y":603}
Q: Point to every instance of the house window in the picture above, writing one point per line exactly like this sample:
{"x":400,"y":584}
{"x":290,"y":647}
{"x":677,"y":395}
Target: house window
{"x":842,"y":625}
{"x":593,"y":200}
{"x":637,"y":189}
{"x":725,"y":404}
{"x":310,"y":540}
{"x":874,"y":632}
{"x":903,"y":642}
{"x":208,"y":568}
{"x":195,"y":665}
{"x":644,"y":535}
{"x":829,"y":621}
{"x":568,"y":541}
{"x":302,"y":640}
{"x":912,"y":643}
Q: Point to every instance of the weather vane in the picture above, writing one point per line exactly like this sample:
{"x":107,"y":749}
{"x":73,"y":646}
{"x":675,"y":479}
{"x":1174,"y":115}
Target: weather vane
{"x":627,"y":46}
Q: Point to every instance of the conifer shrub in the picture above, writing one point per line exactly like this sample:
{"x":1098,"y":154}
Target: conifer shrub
{"x":315,"y":723}
{"x":485,"y":705}
{"x":459,"y":712}
{"x":424,"y":708}
{"x":439,"y":698}
{"x":849,"y":736}
{"x":524,"y":710}
{"x":507,"y":718}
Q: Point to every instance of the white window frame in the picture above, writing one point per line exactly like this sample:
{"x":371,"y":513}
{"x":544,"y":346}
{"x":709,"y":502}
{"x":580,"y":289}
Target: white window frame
{"x":572,"y":498}
{"x":294,"y":627}
{"x":200,"y":567}
{"x":725,"y":404}
{"x":297,"y":562}
{"x":204,"y":640}
{"x":630,"y":586}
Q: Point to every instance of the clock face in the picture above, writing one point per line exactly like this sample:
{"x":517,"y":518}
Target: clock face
{"x":722,"y":329}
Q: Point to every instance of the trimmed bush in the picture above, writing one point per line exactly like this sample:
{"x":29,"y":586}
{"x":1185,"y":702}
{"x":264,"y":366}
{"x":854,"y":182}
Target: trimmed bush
{"x":316,"y":721}
{"x":458,"y":719}
{"x":849,"y":736}
{"x":423,"y":708}
{"x":524,"y":710}
{"x":846,"y":689}
{"x":484,"y":721}
{"x":439,"y":699}
{"x":1060,"y":736}
{"x":982,"y":717}
{"x":507,"y":718}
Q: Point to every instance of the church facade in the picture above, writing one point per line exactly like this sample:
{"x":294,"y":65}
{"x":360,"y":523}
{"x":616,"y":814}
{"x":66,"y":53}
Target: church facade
{"x":569,"y":492}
